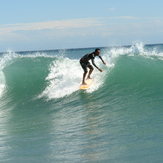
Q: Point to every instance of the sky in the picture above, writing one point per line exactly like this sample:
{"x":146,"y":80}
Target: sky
{"x":27,"y":25}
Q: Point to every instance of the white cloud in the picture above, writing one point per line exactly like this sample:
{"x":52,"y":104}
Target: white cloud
{"x":10,"y":29}
{"x":63,"y":24}
{"x":79,"y":31}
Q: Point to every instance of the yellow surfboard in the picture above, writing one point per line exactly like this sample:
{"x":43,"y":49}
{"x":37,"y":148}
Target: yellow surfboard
{"x":89,"y":83}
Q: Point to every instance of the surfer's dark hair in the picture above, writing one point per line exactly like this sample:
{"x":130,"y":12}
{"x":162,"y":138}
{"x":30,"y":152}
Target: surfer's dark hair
{"x":97,"y":49}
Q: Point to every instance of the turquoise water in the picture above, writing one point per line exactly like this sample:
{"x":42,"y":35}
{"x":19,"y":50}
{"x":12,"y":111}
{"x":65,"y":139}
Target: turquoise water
{"x":44,"y":117}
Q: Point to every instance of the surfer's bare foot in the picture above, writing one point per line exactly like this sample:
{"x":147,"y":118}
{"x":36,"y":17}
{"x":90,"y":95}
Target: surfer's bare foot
{"x":84,"y":83}
{"x":89,"y":77}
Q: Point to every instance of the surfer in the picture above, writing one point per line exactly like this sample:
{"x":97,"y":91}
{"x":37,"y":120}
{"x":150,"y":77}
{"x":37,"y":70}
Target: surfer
{"x":84,"y":62}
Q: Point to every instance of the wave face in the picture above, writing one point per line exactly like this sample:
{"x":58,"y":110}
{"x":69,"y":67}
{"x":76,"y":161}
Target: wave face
{"x":46,"y":117}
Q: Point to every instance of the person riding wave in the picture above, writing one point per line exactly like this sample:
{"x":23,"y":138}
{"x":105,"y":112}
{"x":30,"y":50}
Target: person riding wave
{"x":84,"y":62}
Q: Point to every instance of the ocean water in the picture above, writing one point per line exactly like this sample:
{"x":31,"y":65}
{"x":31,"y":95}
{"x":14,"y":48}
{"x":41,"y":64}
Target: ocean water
{"x":44,"y":117}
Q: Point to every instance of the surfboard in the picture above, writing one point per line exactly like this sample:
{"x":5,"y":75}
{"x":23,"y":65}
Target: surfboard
{"x":89,"y":83}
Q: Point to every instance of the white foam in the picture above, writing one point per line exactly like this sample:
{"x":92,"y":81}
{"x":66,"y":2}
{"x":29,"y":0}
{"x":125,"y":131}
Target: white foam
{"x":137,"y":49}
{"x":63,"y":78}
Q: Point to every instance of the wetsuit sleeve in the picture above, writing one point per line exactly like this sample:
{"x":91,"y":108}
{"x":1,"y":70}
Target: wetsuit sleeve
{"x":94,"y":63}
{"x":101,"y":59}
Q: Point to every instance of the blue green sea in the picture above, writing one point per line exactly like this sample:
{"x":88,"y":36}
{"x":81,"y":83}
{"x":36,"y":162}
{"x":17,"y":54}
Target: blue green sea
{"x":45,"y":118}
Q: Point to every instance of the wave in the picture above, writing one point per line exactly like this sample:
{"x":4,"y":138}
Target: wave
{"x":54,"y":74}
{"x":42,"y":108}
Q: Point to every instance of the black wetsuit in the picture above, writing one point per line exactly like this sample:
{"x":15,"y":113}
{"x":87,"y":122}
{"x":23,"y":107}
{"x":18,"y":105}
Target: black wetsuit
{"x":84,"y":61}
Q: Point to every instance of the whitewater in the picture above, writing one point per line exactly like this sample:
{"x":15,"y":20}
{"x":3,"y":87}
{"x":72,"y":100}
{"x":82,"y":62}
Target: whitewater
{"x":44,"y":117}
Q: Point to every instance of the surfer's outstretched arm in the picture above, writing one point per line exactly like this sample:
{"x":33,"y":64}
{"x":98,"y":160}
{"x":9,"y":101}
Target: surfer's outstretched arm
{"x":102,"y":60}
{"x":95,"y":65}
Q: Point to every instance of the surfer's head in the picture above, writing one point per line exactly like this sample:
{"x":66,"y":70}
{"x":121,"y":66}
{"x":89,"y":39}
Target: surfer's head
{"x":97,"y":52}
